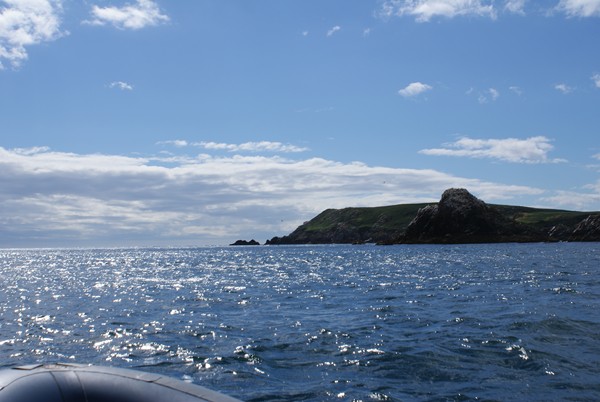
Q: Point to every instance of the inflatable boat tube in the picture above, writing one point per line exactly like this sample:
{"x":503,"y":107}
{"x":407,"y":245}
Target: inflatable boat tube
{"x":81,"y":383}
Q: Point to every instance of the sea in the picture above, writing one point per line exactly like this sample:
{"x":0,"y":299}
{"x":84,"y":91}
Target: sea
{"x":491,"y":322}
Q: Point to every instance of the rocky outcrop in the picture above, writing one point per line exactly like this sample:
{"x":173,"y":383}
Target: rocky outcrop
{"x":340,"y":233}
{"x":559,"y":232}
{"x":587,"y":230}
{"x":460,"y":217}
{"x":245,"y":243}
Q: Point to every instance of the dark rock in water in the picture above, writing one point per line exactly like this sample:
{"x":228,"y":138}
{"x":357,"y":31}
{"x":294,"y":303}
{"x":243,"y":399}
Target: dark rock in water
{"x":274,"y":240}
{"x":460,"y":217}
{"x":587,"y":230}
{"x":245,"y":243}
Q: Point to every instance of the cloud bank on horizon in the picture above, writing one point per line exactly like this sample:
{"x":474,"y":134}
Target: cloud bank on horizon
{"x":180,"y":165}
{"x":175,"y":198}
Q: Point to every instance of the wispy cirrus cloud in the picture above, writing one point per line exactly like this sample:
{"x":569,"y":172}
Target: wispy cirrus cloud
{"x":514,"y":150}
{"x":487,"y":95}
{"x":564,"y":88}
{"x":579,"y":8}
{"x":175,"y":143}
{"x":253,"y":146}
{"x":25,"y":23}
{"x":414,"y":89}
{"x":123,"y":86}
{"x":490,"y":94}
{"x":138,"y":15}
{"x":51,"y":197}
{"x":425,"y":10}
{"x":334,"y":30}
{"x":515,"y":6}
{"x":516,"y":90}
{"x":596,"y":79}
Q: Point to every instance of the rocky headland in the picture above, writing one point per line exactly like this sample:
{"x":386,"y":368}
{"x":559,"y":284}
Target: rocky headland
{"x":459,"y":217}
{"x":245,"y":243}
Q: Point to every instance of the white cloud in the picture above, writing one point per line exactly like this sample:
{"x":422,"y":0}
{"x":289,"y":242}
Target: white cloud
{"x":564,"y":88}
{"x":596,"y":79}
{"x":580,"y":8}
{"x":414,"y":89}
{"x":333,"y":30}
{"x":255,"y":146}
{"x":515,"y":89}
{"x":425,"y":10}
{"x":121,"y":85}
{"x":529,"y":150}
{"x":139,"y":15}
{"x":26,"y":23}
{"x":594,"y":187}
{"x":95,"y":199}
{"x":487,"y":95}
{"x":175,"y":143}
{"x":515,"y":6}
{"x":582,"y":201}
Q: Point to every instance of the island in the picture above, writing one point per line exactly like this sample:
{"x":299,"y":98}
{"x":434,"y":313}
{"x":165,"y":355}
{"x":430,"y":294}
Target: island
{"x":459,"y":217}
{"x":245,"y":243}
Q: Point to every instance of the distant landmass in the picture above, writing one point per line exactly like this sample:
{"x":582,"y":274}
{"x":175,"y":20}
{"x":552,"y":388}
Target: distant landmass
{"x":245,"y":243}
{"x":459,"y":217}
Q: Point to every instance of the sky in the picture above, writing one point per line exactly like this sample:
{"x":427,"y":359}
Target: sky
{"x":191,"y":123}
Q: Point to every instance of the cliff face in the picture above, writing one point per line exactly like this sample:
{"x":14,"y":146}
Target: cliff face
{"x":458,"y":217}
{"x":341,"y":233}
{"x":587,"y":230}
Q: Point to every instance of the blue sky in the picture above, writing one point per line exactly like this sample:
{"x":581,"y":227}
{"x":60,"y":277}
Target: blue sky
{"x":157,"y":122}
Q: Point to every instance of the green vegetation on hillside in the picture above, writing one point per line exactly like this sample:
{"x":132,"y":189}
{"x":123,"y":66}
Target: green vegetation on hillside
{"x":390,"y":218}
{"x":541,"y":218}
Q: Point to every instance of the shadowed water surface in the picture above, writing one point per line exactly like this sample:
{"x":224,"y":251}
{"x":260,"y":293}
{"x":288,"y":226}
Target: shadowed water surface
{"x":300,"y":323}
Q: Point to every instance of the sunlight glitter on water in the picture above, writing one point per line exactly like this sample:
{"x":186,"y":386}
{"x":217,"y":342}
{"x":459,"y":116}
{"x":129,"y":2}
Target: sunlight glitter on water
{"x":312,"y":323}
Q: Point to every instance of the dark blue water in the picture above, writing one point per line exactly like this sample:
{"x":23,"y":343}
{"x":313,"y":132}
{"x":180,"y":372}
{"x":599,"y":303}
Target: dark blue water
{"x":337,"y":323}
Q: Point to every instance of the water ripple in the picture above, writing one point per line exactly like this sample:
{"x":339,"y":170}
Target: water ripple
{"x":494,"y":322}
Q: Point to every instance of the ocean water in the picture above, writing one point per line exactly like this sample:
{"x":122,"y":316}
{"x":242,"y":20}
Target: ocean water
{"x":318,"y":323}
